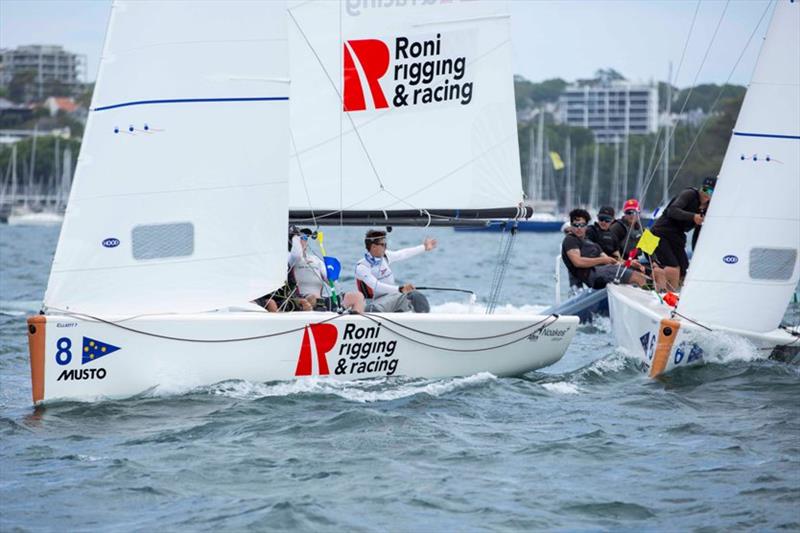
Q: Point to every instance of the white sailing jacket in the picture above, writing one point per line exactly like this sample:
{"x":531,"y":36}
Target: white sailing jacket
{"x":308,"y":270}
{"x":374,"y":277}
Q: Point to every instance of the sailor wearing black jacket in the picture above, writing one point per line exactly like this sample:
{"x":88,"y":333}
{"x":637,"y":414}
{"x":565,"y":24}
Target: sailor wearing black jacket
{"x":600,"y":232}
{"x":628,"y":228}
{"x":585,"y":260}
{"x":682,"y":214}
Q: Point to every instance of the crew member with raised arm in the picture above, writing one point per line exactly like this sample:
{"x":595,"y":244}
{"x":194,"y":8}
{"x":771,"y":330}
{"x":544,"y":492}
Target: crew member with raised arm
{"x":375,"y":279}
{"x":682,"y":214}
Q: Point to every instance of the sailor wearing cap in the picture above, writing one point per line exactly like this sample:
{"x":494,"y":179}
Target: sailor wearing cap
{"x":628,"y":227}
{"x":600,"y":232}
{"x":682,"y":214}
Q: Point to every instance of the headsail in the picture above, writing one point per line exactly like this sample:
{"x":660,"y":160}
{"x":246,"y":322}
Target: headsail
{"x":179,"y":198}
{"x":402,"y":112}
{"x":746,"y":265}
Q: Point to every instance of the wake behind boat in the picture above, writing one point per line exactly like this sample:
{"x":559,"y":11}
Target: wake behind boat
{"x":183,"y":192}
{"x":746,"y":266}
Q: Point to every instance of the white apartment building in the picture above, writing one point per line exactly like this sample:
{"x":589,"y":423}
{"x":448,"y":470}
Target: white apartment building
{"x":611,"y":109}
{"x":51,"y":65}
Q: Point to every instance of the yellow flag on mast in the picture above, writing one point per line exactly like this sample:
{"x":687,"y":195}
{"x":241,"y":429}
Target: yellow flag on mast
{"x":558,"y":164}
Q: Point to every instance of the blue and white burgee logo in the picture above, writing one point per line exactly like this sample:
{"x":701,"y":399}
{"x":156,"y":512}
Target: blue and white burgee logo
{"x":94,"y":349}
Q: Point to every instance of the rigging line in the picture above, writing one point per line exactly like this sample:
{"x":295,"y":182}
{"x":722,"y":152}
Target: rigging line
{"x":686,"y":42}
{"x":462,"y":350}
{"x":675,"y":312}
{"x":719,"y":96}
{"x":501,"y":271}
{"x":186,"y":339}
{"x":341,"y":102}
{"x":495,"y":274}
{"x":691,"y":89}
{"x":439,"y":336}
{"x":303,"y":177}
{"x":677,"y":74}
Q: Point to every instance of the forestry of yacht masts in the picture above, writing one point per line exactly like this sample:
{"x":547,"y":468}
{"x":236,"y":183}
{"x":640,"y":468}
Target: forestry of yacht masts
{"x":424,"y":71}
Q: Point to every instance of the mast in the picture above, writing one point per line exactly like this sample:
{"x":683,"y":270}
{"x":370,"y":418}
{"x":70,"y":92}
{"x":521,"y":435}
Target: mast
{"x":640,"y":175}
{"x":52,"y":189}
{"x":614,"y":199}
{"x":531,"y":188}
{"x":568,"y":176}
{"x":29,"y":187}
{"x":625,"y":149}
{"x":593,"y":190}
{"x":668,"y":131}
{"x":540,"y":157}
{"x":66,"y":179}
{"x":13,"y":198}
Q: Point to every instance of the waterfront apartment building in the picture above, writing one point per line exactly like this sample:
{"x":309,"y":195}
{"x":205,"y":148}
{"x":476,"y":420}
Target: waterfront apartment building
{"x":611,"y":109}
{"x":50,"y":69}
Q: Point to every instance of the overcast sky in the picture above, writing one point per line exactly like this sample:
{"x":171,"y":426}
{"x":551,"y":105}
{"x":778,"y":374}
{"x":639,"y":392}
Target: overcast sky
{"x":569,"y":39}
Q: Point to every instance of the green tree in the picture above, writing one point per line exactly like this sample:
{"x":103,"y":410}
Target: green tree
{"x":21,"y":86}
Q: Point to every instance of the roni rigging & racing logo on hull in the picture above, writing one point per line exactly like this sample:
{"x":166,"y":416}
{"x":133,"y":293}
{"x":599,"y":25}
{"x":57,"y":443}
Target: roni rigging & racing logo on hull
{"x":408,"y":72}
{"x":362,"y":351}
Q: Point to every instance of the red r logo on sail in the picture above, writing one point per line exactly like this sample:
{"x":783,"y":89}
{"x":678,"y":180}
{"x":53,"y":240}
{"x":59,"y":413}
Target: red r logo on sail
{"x":365,"y":62}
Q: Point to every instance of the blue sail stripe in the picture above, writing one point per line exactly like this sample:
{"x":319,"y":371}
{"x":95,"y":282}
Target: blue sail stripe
{"x":192,"y":101}
{"x":768,"y":135}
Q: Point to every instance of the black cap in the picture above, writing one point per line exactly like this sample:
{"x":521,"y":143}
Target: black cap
{"x":710,"y":182}
{"x":606,"y":210}
{"x":306,"y":231}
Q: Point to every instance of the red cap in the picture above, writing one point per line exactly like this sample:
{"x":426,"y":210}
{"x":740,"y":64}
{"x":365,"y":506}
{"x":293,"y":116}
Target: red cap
{"x":632,"y":203}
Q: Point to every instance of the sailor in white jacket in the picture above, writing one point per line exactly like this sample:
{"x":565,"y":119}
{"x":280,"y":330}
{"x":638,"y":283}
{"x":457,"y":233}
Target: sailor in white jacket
{"x":375,"y":279}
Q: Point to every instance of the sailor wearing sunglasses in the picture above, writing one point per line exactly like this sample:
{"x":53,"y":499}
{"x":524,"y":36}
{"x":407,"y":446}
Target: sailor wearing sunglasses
{"x":683,"y":213}
{"x":585,"y":260}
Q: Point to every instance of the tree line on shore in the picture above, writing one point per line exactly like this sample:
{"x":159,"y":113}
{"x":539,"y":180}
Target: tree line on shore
{"x":696,"y":150}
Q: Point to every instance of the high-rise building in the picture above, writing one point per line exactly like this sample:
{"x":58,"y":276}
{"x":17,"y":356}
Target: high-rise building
{"x":611,"y":109}
{"x":51,"y":71}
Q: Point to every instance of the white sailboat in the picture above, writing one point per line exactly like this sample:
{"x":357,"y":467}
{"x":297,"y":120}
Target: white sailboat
{"x":44,"y":214}
{"x":178,"y":212}
{"x":745,"y":267}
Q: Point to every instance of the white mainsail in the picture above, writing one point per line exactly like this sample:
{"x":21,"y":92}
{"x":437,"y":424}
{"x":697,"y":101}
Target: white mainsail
{"x":746,"y":265}
{"x":402,"y":107}
{"x":180,"y":192}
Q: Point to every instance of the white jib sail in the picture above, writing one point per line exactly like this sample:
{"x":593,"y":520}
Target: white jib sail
{"x":180,"y":193}
{"x":746,"y":265}
{"x":406,"y":105}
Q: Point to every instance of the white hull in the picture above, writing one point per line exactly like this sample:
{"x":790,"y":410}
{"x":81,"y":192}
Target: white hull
{"x":344,"y":347}
{"x":35,"y":219}
{"x":644,"y":329}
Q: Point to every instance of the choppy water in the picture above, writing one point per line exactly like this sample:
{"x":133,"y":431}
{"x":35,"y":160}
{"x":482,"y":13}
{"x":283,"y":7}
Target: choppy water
{"x":587,"y":444}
